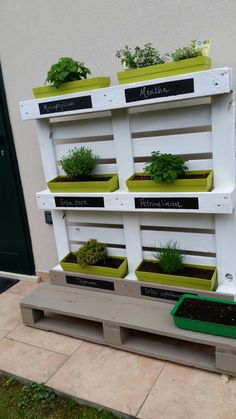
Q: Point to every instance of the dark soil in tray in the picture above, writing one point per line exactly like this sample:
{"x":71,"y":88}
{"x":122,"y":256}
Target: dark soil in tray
{"x":186,"y":271}
{"x":147,"y":177}
{"x":207,"y":311}
{"x":83,"y":179}
{"x":110,"y":263}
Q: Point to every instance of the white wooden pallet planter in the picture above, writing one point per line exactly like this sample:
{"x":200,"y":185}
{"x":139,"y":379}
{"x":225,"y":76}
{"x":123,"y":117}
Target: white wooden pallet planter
{"x":123,"y":125}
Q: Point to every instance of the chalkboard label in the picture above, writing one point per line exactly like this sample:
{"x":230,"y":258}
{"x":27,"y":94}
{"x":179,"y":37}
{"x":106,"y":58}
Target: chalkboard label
{"x":162,"y":293}
{"x":153,"y":91}
{"x":81,"y":202}
{"x":65,"y":105}
{"x":166,"y":203}
{"x":93,"y":283}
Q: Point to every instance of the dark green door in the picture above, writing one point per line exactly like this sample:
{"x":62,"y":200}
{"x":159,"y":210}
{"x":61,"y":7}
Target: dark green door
{"x":15,"y":244}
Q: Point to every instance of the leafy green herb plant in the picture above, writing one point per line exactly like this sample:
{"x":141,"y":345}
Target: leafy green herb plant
{"x":79,"y":163}
{"x":165,"y":167}
{"x":140,"y":57}
{"x":170,"y":257}
{"x":92,"y":253}
{"x":66,"y":69}
{"x":191,"y":51}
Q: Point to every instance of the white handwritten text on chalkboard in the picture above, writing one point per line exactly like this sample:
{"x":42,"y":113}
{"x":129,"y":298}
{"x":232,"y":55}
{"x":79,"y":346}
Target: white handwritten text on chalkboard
{"x":167,"y":203}
{"x":83,"y":202}
{"x":92,"y":283}
{"x":163,"y":294}
{"x":152,"y":91}
{"x":65,"y":105}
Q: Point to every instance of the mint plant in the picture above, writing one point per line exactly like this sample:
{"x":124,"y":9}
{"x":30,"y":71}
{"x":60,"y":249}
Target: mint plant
{"x":140,"y":57}
{"x":191,"y":51}
{"x":169,"y":257}
{"x":165,"y":167}
{"x":79,"y":162}
{"x":66,"y":69}
{"x":91,"y":253}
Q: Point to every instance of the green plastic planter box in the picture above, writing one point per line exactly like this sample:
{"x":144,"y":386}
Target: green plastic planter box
{"x":109,"y":185}
{"x":179,"y":185}
{"x":177,"y":280}
{"x":72,"y":87}
{"x":202,"y":326}
{"x":96,"y":270}
{"x":174,"y":68}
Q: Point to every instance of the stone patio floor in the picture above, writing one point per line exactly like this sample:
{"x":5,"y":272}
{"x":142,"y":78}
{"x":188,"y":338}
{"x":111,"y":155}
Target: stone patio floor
{"x":131,"y":384}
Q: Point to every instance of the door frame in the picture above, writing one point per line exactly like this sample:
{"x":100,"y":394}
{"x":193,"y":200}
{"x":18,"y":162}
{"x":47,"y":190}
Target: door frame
{"x":16,"y":175}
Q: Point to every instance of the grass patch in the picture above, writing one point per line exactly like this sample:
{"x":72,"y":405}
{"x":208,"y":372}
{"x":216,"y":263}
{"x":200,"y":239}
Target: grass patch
{"x":35,"y":401}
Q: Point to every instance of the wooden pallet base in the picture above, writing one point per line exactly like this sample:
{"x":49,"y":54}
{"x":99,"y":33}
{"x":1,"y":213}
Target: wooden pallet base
{"x":128,"y":323}
{"x":129,"y":287}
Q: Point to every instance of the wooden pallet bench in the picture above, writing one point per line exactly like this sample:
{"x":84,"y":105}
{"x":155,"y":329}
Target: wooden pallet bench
{"x":128,"y":323}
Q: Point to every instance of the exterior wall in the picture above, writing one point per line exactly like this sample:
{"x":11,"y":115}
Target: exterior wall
{"x":34,"y":34}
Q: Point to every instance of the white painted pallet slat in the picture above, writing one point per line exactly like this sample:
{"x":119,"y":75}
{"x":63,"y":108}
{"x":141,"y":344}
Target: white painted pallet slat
{"x":186,"y":241}
{"x":103,"y":149}
{"x":193,"y":259}
{"x":112,"y":251}
{"x":170,"y":119}
{"x":104,"y":235}
{"x":82,"y":128}
{"x":204,"y":164}
{"x":200,"y":221}
{"x":91,"y":217}
{"x":176,"y":144}
{"x":61,"y":233}
{"x":216,"y":202}
{"x":99,"y":169}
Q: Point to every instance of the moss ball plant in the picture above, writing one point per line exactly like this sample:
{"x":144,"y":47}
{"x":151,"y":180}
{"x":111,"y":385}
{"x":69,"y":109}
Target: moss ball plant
{"x":92,"y":253}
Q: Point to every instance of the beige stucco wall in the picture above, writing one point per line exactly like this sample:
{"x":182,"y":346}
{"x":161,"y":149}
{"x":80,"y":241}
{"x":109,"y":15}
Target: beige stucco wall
{"x":35,"y":33}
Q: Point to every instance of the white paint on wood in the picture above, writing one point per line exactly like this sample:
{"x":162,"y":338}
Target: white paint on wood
{"x":123,"y":145}
{"x":46,"y":149}
{"x":99,"y":169}
{"x":60,"y":232}
{"x":112,"y":251}
{"x":192,"y":259}
{"x":133,"y":241}
{"x":91,"y":217}
{"x":204,"y":164}
{"x":193,"y":143}
{"x":205,"y":221}
{"x":171,"y":119}
{"x":226,"y":248}
{"x":104,"y":235}
{"x":217,"y":202}
{"x":223,"y":136}
{"x":102,"y":149}
{"x":186,"y":241}
{"x":82,"y":128}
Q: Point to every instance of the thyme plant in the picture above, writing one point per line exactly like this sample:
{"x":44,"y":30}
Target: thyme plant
{"x":79,"y":162}
{"x":140,"y":57}
{"x":191,"y":51}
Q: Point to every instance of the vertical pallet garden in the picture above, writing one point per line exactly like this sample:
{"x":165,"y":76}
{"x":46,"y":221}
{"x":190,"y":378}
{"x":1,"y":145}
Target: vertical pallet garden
{"x":195,"y":118}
